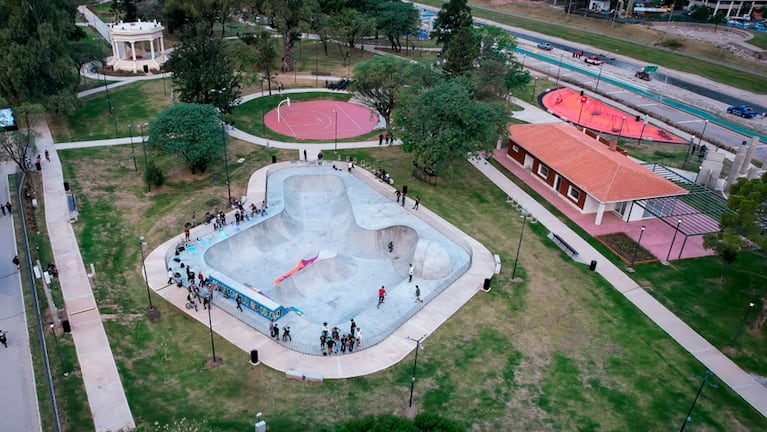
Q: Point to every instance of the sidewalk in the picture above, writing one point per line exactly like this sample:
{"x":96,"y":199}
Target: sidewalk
{"x":18,"y":397}
{"x":732,"y":375}
{"x":106,"y":397}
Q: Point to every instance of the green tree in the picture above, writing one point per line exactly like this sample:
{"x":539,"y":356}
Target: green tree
{"x":395,"y":19}
{"x":204,"y":72}
{"x":700,"y":13}
{"x":453,"y":16}
{"x":265,"y":54}
{"x":288,"y":18}
{"x":36,"y":66}
{"x":349,"y":26}
{"x":461,"y":53}
{"x":442,"y":124}
{"x":380,"y":81}
{"x":745,"y":227}
{"x":19,"y":145}
{"x":718,"y":18}
{"x":124,"y":10}
{"x":83,"y":52}
{"x":191,"y":131}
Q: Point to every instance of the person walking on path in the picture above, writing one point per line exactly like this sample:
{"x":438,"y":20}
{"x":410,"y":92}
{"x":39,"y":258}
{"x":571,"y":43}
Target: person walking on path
{"x":2,"y":207}
{"x":381,"y":295}
{"x":17,"y":262}
{"x":306,"y":158}
{"x":4,"y":338}
{"x":186,"y":233}
{"x":403,"y":200}
{"x":398,"y":194}
{"x":380,"y":139}
{"x":170,"y":276}
{"x":417,"y":202}
{"x":47,"y":156}
{"x":239,"y":303}
{"x":352,"y":327}
{"x":286,"y":334}
{"x":410,"y":273}
{"x":8,"y":206}
{"x":418,"y":295}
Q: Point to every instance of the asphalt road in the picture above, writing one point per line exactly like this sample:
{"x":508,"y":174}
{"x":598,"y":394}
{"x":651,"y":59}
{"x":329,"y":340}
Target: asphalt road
{"x":18,"y":396}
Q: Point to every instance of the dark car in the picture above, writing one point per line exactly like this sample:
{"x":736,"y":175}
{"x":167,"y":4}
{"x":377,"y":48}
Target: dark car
{"x":341,"y":84}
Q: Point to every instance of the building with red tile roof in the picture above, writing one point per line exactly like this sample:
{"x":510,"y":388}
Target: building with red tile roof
{"x":591,"y":174}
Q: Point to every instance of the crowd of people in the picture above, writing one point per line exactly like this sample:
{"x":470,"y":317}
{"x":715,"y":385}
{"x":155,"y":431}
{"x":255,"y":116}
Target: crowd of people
{"x":332,"y":341}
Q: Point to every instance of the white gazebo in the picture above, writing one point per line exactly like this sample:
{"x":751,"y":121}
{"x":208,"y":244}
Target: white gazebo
{"x":133,"y":46}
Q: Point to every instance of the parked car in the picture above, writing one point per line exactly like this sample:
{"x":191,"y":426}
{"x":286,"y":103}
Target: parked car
{"x":341,"y":84}
{"x":545,"y":46}
{"x":744,"y":111}
{"x":605,"y":58}
{"x":593,"y":60}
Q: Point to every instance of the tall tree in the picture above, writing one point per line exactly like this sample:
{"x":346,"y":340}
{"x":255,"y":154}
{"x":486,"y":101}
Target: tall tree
{"x":349,"y":26}
{"x":453,"y":16}
{"x":288,"y":18}
{"x":19,"y":145}
{"x":700,"y":13}
{"x":36,"y":66}
{"x":265,"y":54}
{"x":84,"y":52}
{"x":380,"y":81}
{"x":124,"y":10}
{"x":396,"y":19}
{"x":441,"y":125}
{"x":461,"y":53}
{"x":204,"y":72}
{"x":191,"y":131}
{"x":746,"y":226}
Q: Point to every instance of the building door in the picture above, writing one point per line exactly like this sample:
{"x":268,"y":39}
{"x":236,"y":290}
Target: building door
{"x":621,"y":208}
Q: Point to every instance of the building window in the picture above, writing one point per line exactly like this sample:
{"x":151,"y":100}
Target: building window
{"x":543,"y":171}
{"x":573,"y":193}
{"x":515,"y":148}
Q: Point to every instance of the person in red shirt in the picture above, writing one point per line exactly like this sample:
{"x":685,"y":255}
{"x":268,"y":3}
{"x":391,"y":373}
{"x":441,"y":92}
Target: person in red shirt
{"x":381,"y":295}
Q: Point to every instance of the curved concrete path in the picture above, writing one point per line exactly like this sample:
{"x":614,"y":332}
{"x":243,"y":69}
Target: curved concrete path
{"x":367,"y":361}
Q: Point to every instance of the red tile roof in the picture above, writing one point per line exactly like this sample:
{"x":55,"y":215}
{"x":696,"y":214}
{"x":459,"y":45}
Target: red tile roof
{"x":592,"y":166}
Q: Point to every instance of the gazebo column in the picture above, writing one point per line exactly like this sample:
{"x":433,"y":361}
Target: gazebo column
{"x":600,"y":213}
{"x":162,"y":47}
{"x":151,"y":45}
{"x":133,"y":53}
{"x":115,"y":51}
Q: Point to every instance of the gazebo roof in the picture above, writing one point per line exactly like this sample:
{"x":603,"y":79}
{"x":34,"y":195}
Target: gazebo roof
{"x":139,"y":27}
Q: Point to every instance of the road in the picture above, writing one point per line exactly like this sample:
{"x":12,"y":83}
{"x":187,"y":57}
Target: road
{"x":18,"y":396}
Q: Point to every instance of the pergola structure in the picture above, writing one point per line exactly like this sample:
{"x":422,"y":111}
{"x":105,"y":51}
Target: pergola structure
{"x":699,"y":211}
{"x":133,"y":46}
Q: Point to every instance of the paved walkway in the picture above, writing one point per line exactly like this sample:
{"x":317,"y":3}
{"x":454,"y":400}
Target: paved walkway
{"x":364,"y":362}
{"x":106,"y":397}
{"x":19,"y":397}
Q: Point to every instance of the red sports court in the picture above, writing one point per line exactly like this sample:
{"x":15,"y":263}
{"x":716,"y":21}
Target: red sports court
{"x":596,"y":115}
{"x":322,"y":120}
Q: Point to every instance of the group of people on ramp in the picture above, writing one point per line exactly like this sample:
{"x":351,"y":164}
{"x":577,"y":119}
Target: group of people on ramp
{"x":332,"y":341}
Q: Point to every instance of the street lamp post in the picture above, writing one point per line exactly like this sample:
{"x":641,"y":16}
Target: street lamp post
{"x":519,"y":246}
{"x":535,"y":84}
{"x":742,"y":324}
{"x":559,"y":71}
{"x":636,"y":247}
{"x":583,"y":100}
{"x":689,"y":151}
{"x":703,"y":382}
{"x":700,"y":140}
{"x":335,"y":139}
{"x":700,"y":168}
{"x":132,"y":149}
{"x":146,"y":163}
{"x":620,"y":133}
{"x":641,"y":133}
{"x":415,"y":364}
{"x":524,"y":56}
{"x":146,"y":279}
{"x":676,"y":230}
{"x":599,"y":76}
{"x":210,"y":326}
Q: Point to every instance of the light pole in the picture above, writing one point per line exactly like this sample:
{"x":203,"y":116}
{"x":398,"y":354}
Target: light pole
{"x":210,"y":325}
{"x":535,"y":83}
{"x":700,"y":168}
{"x":641,"y":133}
{"x":700,"y":140}
{"x":569,"y":6}
{"x":620,"y":133}
{"x":524,"y":56}
{"x":636,"y":247}
{"x":559,"y":71}
{"x":519,"y":246}
{"x":415,"y":364}
{"x":742,"y":323}
{"x":676,"y":230}
{"x":132,"y":149}
{"x":146,"y":163}
{"x":146,"y":279}
{"x":687,"y":418}
{"x":584,"y":99}
{"x":335,"y":140}
{"x":689,"y":151}
{"x":599,"y":77}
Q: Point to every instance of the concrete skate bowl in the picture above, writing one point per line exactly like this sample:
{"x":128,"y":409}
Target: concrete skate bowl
{"x":321,"y":254}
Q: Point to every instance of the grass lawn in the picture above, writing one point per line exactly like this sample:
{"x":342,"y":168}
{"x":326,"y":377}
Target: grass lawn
{"x":561,"y":351}
{"x":759,"y":39}
{"x":135,"y":103}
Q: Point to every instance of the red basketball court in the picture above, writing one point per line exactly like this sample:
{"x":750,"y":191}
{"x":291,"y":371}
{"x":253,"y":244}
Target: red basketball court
{"x":321,"y":120}
{"x":597,"y":115}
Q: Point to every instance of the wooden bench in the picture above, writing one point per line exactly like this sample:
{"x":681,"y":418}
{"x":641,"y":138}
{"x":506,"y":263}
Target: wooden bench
{"x":564,"y":245}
